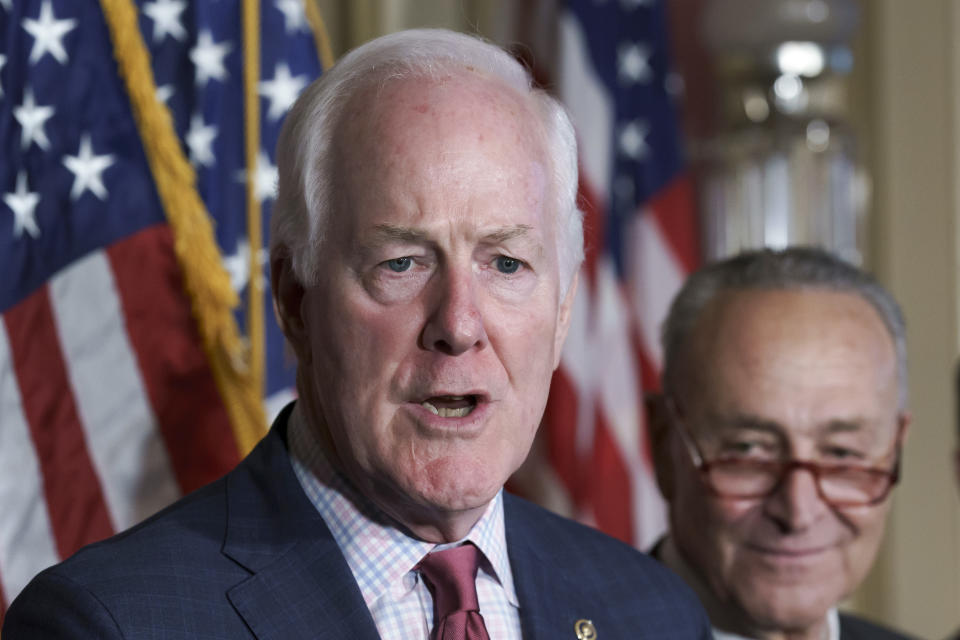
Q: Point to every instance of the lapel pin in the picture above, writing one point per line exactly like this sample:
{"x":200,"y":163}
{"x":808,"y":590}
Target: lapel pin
{"x":585,"y":630}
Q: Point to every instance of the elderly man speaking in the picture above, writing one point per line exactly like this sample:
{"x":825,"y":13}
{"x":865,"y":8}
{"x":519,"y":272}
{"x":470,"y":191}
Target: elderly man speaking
{"x":424,"y":251}
{"x":778,"y":440}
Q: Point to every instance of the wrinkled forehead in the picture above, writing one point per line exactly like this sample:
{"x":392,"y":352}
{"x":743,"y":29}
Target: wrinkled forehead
{"x":799,"y":339}
{"x":396,"y":115}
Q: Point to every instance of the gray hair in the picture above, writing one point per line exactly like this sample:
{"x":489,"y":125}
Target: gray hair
{"x":790,"y":268}
{"x":305,"y":153}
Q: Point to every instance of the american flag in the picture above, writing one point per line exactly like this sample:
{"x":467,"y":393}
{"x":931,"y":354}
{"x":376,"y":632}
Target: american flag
{"x":136,"y":174}
{"x":593,"y":458}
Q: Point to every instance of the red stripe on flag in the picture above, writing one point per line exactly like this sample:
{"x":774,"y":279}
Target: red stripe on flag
{"x":674,"y":210}
{"x":649,"y":376}
{"x":593,"y":228}
{"x":610,"y":486}
{"x":192,"y":418}
{"x":75,"y":501}
{"x":560,"y":421}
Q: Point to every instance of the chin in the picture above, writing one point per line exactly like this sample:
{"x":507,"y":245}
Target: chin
{"x":787,"y":609}
{"x":454,"y":483}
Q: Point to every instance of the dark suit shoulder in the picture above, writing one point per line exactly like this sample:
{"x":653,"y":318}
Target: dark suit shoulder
{"x":193,"y":526}
{"x":170,"y":559}
{"x":582,"y":573}
{"x":581,"y":546}
{"x":855,"y":628}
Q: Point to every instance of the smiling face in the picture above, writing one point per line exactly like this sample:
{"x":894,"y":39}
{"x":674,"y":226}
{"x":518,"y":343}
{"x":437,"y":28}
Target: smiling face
{"x":429,"y":343}
{"x":805,"y":374}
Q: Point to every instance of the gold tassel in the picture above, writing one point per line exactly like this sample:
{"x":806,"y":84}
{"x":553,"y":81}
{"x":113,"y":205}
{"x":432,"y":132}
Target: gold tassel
{"x":205,"y":279}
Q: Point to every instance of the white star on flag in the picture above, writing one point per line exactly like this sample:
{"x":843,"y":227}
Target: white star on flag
{"x":633,"y":63}
{"x":6,"y":4}
{"x":264,"y":177}
{"x":166,"y":18}
{"x":632,"y":139}
{"x":238,"y":265}
{"x":282,"y":91}
{"x":633,"y":4}
{"x":293,"y":17}
{"x":48,"y":34}
{"x":88,"y":169}
{"x":3,"y":61}
{"x":32,"y":118}
{"x":165,"y":92}
{"x":24,"y":205}
{"x":200,"y":139}
{"x":208,"y":57}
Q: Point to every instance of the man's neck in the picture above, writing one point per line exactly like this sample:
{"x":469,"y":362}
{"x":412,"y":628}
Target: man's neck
{"x":726,"y":623}
{"x":428,"y":525}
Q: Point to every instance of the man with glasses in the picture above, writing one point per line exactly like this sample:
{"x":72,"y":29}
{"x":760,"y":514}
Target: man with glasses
{"x":778,"y":440}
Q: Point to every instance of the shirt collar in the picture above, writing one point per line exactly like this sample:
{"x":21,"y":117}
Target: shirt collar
{"x":668,"y":554}
{"x":380,"y":554}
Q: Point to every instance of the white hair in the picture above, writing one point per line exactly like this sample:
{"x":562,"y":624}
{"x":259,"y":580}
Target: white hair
{"x":305,"y":151}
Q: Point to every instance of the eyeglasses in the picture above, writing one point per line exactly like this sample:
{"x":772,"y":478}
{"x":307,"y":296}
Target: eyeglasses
{"x":839,"y":485}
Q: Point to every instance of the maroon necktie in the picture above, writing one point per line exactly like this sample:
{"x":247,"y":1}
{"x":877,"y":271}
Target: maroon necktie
{"x":451,"y":577}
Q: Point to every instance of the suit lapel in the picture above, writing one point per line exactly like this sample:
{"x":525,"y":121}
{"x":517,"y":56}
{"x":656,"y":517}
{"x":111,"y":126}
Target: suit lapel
{"x":551,"y":600}
{"x":308,"y":592}
{"x":300,"y":584}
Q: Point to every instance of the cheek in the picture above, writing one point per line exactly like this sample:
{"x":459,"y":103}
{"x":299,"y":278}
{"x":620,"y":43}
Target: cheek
{"x":356,"y":352}
{"x":361,"y":338}
{"x":712,"y":525}
{"x":868,"y":528}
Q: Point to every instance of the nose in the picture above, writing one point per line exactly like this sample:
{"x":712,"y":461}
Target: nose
{"x":455,"y":322}
{"x":796,"y":505}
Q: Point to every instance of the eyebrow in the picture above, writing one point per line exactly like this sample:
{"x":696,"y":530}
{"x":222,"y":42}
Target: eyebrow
{"x":742,"y":421}
{"x":387,"y":232}
{"x":755,"y":423}
{"x":507,"y":233}
{"x":844,"y":426}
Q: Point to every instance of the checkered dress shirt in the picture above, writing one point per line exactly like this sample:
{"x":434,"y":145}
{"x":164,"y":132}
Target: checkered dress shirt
{"x":382,"y":557}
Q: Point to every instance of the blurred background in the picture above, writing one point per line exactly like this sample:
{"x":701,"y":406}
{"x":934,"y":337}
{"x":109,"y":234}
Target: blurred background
{"x":138,"y":355}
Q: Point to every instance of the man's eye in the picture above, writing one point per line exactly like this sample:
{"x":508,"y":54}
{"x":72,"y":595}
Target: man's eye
{"x":743,"y":449}
{"x":507,"y":265}
{"x":843,"y":453}
{"x":400,"y":264}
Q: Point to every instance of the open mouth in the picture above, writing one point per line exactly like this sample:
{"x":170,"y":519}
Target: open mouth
{"x":451,"y":406}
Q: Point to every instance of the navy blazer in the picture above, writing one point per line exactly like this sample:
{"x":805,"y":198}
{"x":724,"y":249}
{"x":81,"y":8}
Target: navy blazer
{"x":249,"y":556}
{"x":855,"y":628}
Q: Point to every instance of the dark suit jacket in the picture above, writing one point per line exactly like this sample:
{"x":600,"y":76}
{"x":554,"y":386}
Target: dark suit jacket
{"x":854,"y":628}
{"x":249,"y":556}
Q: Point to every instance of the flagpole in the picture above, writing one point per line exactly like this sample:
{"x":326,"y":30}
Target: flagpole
{"x":251,"y":77}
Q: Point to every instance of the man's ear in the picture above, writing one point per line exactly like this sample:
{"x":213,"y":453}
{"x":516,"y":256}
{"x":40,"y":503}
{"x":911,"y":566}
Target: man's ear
{"x":658,"y":427}
{"x":563,"y":320}
{"x":288,"y":295}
